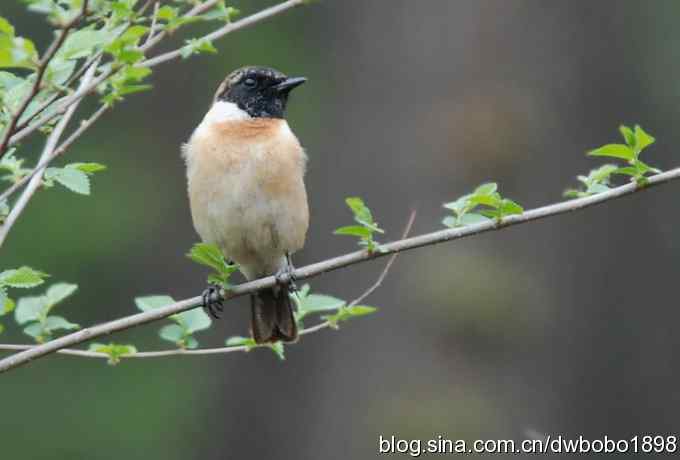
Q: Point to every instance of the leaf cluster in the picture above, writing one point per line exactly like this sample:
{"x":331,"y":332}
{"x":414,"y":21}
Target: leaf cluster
{"x":113,"y":350}
{"x":21,"y":278}
{"x":211,"y":256}
{"x":34,"y":312}
{"x":636,"y":140}
{"x":482,"y":205}
{"x":367,"y":227}
{"x":185,"y":324}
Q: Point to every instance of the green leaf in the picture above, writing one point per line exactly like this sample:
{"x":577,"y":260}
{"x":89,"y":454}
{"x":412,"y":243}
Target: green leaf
{"x":193,"y":320}
{"x":627,"y":171}
{"x":24,"y":277}
{"x":153,"y":301}
{"x":58,"y":292}
{"x":277,"y":348}
{"x":460,"y":206}
{"x":71,"y":178}
{"x":29,"y":309}
{"x":83,"y":43}
{"x":450,"y":221}
{"x":642,"y":139}
{"x":15,"y":51}
{"x":509,"y":207}
{"x":6,"y":304}
{"x":316,"y":303}
{"x":113,"y":350}
{"x":354,"y":230}
{"x":613,"y":150}
{"x":238,"y":341}
{"x":486,"y":189}
{"x":628,"y":135}
{"x":472,"y":219}
{"x":197,"y":46}
{"x":172,"y":333}
{"x":54,"y":323}
{"x":347,"y":313}
{"x":87,"y":168}
{"x":34,"y":330}
{"x":167,"y":13}
{"x":602,"y":173}
{"x":493,"y":200}
{"x":211,"y":256}
{"x":361,"y":212}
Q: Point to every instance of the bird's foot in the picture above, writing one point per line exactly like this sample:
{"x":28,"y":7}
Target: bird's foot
{"x":285,"y":276}
{"x":212,"y":301}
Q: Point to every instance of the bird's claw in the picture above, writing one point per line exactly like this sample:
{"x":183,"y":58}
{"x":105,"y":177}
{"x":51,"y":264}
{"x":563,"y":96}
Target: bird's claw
{"x":285,"y":276}
{"x":212,"y":301}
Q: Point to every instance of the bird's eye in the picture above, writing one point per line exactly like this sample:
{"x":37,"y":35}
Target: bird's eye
{"x":249,"y":82}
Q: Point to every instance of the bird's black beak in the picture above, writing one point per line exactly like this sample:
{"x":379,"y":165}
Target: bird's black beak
{"x":289,"y":84}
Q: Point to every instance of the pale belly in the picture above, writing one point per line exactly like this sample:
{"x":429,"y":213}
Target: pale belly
{"x":251,"y":227}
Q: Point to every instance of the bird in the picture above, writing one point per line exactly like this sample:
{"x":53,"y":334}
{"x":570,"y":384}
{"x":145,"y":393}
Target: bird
{"x":245,"y":175}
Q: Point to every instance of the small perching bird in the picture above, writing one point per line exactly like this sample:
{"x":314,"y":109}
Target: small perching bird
{"x":245,"y":171}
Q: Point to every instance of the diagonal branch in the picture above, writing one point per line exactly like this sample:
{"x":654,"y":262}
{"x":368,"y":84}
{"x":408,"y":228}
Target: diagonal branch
{"x":228,"y":349}
{"x":84,"y":126}
{"x":48,"y":153}
{"x":336,"y":263}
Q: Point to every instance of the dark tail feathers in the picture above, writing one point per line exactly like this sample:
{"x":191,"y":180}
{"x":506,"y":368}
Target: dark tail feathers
{"x":273,"y":318}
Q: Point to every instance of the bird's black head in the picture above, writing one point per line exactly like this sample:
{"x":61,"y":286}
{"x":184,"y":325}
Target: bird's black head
{"x":260,"y":91}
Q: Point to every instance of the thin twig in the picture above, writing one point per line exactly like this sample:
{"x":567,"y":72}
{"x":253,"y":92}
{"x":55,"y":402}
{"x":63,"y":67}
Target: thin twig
{"x":154,"y":18}
{"x":36,"y":180}
{"x":43,"y":64}
{"x":230,"y":349}
{"x":84,"y":126}
{"x":227,"y":29}
{"x":335,"y":263}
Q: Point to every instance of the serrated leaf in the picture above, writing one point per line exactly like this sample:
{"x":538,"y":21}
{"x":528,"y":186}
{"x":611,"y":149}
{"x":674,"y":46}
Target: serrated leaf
{"x":24,"y":277}
{"x":614,"y":151}
{"x":55,"y":323}
{"x":71,"y":178}
{"x":151,"y":302}
{"x":29,"y":309}
{"x":58,"y":292}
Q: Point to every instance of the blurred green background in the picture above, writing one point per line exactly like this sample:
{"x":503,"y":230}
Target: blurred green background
{"x":564,"y":326}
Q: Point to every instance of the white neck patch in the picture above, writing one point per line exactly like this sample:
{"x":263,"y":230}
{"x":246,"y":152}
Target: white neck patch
{"x":225,"y":111}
